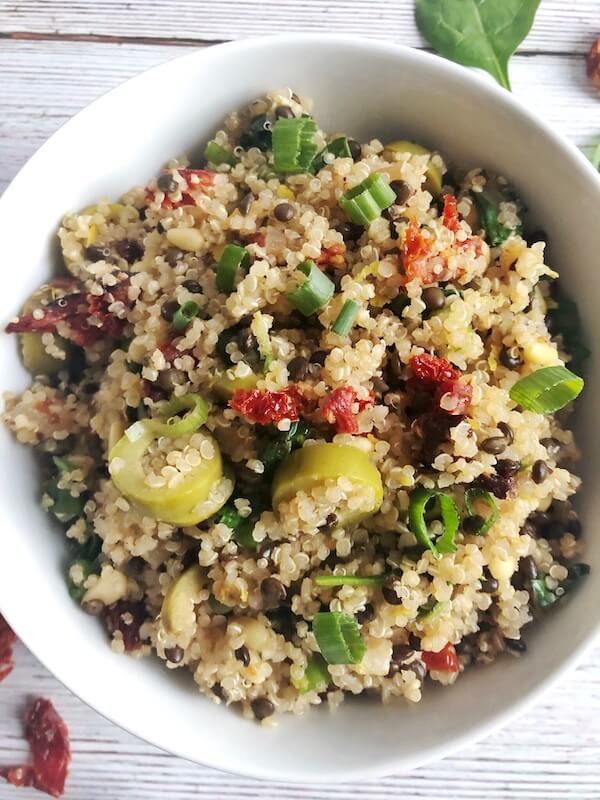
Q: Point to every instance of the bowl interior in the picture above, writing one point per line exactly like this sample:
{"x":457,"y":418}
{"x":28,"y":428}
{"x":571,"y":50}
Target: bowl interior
{"x":368,"y":89}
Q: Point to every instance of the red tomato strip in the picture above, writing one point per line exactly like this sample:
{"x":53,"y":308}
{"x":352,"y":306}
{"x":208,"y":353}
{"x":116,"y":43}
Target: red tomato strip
{"x":450,"y":215}
{"x":417,"y":250}
{"x":7,"y":640}
{"x":48,"y":739}
{"x":444,"y":661}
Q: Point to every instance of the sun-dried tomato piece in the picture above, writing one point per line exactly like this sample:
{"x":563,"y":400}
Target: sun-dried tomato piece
{"x":417,"y":249}
{"x":126,"y":617}
{"x":48,"y":739}
{"x":450,"y":218}
{"x":332,"y":256}
{"x":258,"y":238}
{"x":341,"y":407}
{"x":454,"y":396}
{"x":170,"y":351}
{"x":264,"y":407}
{"x":7,"y":641}
{"x":431,"y":370}
{"x":444,"y":661}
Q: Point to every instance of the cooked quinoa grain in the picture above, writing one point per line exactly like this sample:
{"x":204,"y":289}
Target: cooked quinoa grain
{"x":277,"y":425}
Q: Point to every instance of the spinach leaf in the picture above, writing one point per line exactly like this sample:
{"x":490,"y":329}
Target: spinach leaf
{"x":477,"y":33}
{"x":258,"y":134}
{"x":495,"y":231}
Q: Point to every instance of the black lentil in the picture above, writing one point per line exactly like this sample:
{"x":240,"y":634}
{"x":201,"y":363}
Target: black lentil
{"x":401,"y":653}
{"x":506,"y":467}
{"x":489,"y":585}
{"x":349,"y":231}
{"x":506,"y":431}
{"x":246,"y":202}
{"x":193,"y":287}
{"x":169,"y":309}
{"x":93,"y":607}
{"x":473,"y":524}
{"x":173,"y":256}
{"x":388,"y":590}
{"x":218,"y":691}
{"x":528,"y":567}
{"x":539,"y":471}
{"x":552,"y":446}
{"x":379,"y":385}
{"x":166,"y":183}
{"x":174,"y":654}
{"x":298,"y":368}
{"x":419,"y":668}
{"x":284,"y":212}
{"x":318,"y":357}
{"x":243,"y":654}
{"x":262,"y":708}
{"x":510,"y":357}
{"x":494,"y":445}
{"x":355,"y":149}
{"x":94,"y":253}
{"x":516,"y":645}
{"x":434,"y":298}
{"x":403,"y":191}
{"x":130,"y":250}
{"x":553,"y":530}
{"x":366,"y":614}
{"x":575,"y":527}
{"x":331,"y":523}
{"x":273,"y":592}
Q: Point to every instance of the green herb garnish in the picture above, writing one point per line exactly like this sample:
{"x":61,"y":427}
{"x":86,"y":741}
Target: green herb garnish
{"x":419,"y":500}
{"x":316,"y":675}
{"x":216,"y":154}
{"x":338,"y":148}
{"x":488,"y":206}
{"x":338,"y":637}
{"x":258,"y":134}
{"x":477,"y":33}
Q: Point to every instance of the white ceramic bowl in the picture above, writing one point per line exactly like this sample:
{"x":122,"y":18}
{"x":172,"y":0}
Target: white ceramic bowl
{"x":368,"y":89}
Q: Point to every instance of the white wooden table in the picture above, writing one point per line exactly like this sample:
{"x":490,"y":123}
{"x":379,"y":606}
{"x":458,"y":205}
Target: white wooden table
{"x":57,"y":56}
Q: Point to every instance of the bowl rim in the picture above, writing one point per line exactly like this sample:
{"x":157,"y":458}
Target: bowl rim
{"x":500,"y":97}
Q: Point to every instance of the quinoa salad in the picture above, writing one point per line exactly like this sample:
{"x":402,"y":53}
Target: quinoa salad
{"x":302,"y":411}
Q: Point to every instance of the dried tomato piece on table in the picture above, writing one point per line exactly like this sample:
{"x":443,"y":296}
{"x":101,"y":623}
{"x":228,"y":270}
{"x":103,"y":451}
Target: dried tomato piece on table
{"x":7,"y":641}
{"x":48,"y":739}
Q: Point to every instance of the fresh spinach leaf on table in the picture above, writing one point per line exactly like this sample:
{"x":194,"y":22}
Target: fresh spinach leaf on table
{"x":477,"y":33}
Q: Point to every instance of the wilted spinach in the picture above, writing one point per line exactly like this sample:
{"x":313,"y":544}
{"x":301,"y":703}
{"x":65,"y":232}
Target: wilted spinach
{"x":477,"y":33}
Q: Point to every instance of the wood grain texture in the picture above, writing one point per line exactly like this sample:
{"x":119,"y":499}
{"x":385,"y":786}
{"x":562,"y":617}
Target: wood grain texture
{"x":551,"y":753}
{"x":45,"y":82}
{"x":55,"y":57}
{"x":560,"y":26}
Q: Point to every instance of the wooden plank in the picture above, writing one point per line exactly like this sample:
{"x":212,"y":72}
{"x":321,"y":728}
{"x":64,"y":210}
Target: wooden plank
{"x":45,"y":83}
{"x":560,"y":27}
{"x":551,"y":753}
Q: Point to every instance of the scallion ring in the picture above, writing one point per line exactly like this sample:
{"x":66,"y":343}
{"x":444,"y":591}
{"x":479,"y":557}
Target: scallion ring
{"x":345,"y":319}
{"x":349,"y":580}
{"x":546,"y":390}
{"x":215,"y":154}
{"x":293,"y":144}
{"x":316,"y":291}
{"x":338,"y":637}
{"x":419,"y":500}
{"x":365,"y":202}
{"x":316,"y":675}
{"x":476,"y":493}
{"x":197,"y":414}
{"x":232,"y":259}
{"x":184,"y":315}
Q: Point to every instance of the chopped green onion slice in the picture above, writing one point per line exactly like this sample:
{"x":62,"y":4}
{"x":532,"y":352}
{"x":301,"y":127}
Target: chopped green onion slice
{"x":338,"y":148}
{"x":232,"y":258}
{"x":294,"y":147}
{"x":419,"y":500}
{"x":345,"y":319}
{"x":316,"y":291}
{"x":197,"y":415}
{"x":338,"y":637}
{"x":216,"y":154}
{"x":541,"y":594}
{"x":260,"y":329}
{"x":349,"y":580}
{"x":476,"y":493}
{"x":184,"y":315}
{"x":365,"y":202}
{"x":316,"y":675}
{"x":546,"y":390}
